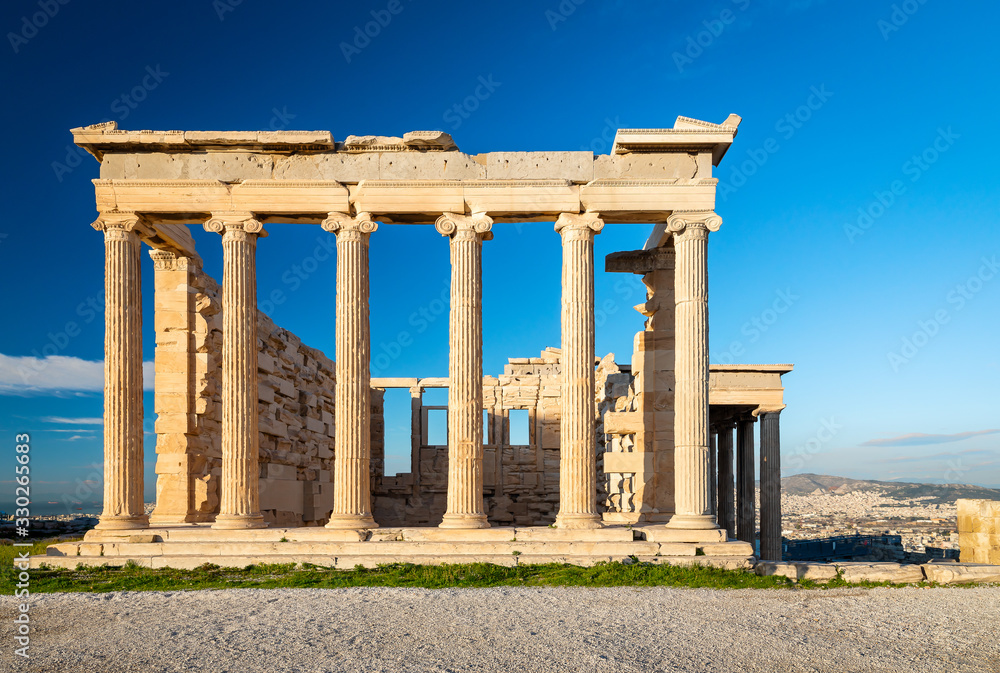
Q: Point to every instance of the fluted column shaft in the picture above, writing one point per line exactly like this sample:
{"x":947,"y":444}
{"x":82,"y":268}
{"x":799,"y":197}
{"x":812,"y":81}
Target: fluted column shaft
{"x":726,"y":512}
{"x":239,"y":502}
{"x":713,"y":485}
{"x":577,"y":424}
{"x":352,"y":500}
{"x":693,"y":508}
{"x":465,"y":370}
{"x":123,"y":449}
{"x":770,"y":486}
{"x":746,"y":525}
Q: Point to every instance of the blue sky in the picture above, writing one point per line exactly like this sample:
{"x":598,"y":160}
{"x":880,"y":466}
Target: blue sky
{"x":859,"y":242}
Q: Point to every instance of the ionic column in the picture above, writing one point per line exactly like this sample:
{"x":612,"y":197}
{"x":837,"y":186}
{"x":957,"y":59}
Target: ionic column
{"x":465,"y":370}
{"x":352,"y":498}
{"x":726,"y":513}
{"x":692,"y":505}
{"x":577,"y":423}
{"x":770,"y":485}
{"x":239,"y":502}
{"x":123,"y":451}
{"x":713,"y":467}
{"x":746,"y":525}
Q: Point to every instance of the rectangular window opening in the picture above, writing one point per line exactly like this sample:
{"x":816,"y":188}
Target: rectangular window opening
{"x":397,"y":415}
{"x":437,"y":427}
{"x":519,"y":420}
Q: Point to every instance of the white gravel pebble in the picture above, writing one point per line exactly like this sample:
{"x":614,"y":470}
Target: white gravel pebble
{"x":515,"y":629}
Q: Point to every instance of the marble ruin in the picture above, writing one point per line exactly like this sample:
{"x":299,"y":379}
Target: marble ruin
{"x":268,"y":449}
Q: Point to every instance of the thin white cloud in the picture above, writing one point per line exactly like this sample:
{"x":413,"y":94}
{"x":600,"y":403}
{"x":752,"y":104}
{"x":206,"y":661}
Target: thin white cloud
{"x":73,"y":421}
{"x":76,"y":437}
{"x":919,"y":438}
{"x":56,"y":375}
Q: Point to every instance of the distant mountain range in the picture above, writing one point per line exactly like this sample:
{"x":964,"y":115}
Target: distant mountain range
{"x":806,"y":484}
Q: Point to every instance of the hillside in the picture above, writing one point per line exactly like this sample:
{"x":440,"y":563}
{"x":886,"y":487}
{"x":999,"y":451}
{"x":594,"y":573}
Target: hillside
{"x":805,"y":484}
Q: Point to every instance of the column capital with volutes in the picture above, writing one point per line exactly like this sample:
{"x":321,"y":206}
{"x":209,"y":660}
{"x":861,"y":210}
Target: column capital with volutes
{"x":767,"y":409}
{"x":235,"y":225}
{"x":115,"y":222}
{"x":457,"y":226}
{"x":688,"y":224}
{"x":350,"y":226}
{"x":575,"y":225}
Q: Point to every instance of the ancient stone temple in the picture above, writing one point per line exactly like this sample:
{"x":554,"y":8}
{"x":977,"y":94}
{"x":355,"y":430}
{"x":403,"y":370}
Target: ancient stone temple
{"x":268,"y":449}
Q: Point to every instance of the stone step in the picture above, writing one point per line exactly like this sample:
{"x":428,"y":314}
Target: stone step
{"x":348,"y":562}
{"x":159,"y":554}
{"x":654,"y":533}
{"x":385,"y":548}
{"x":503,"y":534}
{"x":204,"y":532}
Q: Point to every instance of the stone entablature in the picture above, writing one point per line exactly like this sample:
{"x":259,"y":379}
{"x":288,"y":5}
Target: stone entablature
{"x":303,"y":176}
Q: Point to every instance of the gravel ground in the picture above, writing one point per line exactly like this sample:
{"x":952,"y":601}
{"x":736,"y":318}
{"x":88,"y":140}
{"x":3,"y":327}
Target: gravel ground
{"x":508,"y":629}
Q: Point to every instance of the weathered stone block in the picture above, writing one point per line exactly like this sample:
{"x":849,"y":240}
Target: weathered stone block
{"x":880,"y":572}
{"x":341,"y":166}
{"x":572,"y":166}
{"x":281,"y":495}
{"x":648,"y":166}
{"x":961,"y":573}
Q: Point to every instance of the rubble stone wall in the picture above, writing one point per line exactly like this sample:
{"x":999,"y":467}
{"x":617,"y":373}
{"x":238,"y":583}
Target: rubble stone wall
{"x":295,"y":403}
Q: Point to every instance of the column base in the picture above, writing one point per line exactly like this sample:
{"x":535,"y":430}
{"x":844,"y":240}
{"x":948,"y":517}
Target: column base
{"x":693,"y":521}
{"x":122,"y":522}
{"x":464,"y":521}
{"x":579,"y":521}
{"x":351,"y":521}
{"x":239,"y":522}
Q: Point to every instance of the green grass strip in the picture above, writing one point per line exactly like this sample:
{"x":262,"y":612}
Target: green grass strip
{"x":472,"y":575}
